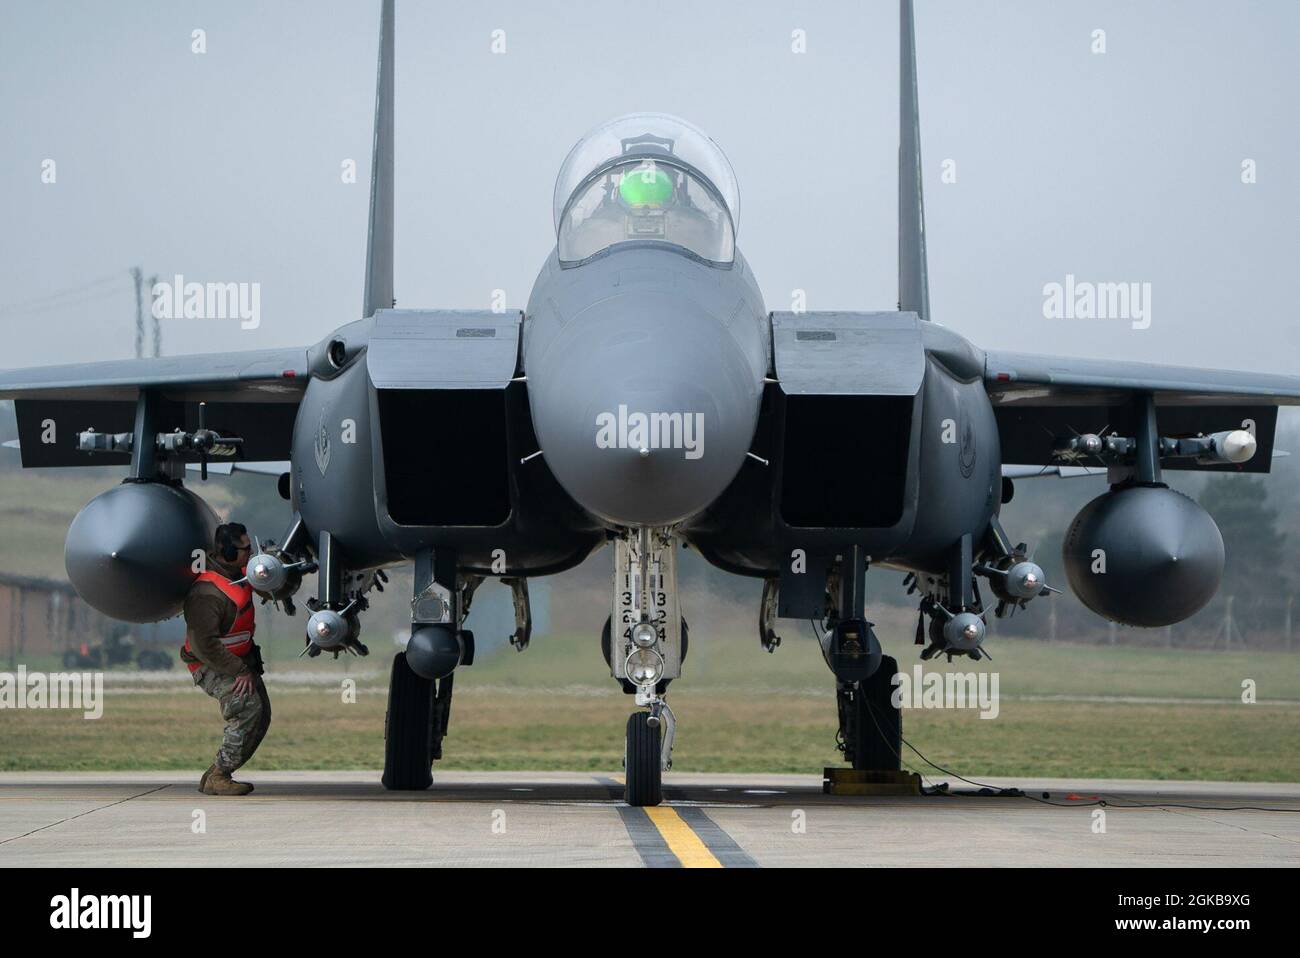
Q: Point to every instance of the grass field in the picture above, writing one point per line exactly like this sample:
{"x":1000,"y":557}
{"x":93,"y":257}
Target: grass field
{"x":1065,"y":710}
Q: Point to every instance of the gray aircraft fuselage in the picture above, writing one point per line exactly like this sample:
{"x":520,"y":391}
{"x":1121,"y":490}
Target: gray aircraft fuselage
{"x":731,"y":461}
{"x":655,"y":332}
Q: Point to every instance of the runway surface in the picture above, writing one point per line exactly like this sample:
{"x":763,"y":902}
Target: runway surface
{"x":74,"y":819}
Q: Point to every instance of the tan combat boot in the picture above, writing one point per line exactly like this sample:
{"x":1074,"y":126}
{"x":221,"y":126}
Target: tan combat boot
{"x":219,"y":782}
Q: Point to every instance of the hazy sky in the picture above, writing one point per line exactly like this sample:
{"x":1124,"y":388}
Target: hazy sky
{"x":225,"y":166}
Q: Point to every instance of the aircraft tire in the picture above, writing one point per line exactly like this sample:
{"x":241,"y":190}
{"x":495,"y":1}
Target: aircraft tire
{"x":643,"y":772}
{"x":879,"y":739}
{"x":408,"y":730}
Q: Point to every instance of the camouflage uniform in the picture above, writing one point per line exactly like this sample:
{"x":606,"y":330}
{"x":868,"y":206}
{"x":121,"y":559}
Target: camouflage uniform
{"x":247,"y":718}
{"x":209,"y":614}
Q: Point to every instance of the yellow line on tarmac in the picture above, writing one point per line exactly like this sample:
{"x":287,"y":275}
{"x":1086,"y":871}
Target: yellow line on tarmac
{"x":681,"y":838}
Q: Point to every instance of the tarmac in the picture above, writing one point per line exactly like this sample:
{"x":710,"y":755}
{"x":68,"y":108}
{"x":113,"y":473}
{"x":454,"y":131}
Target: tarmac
{"x":76,"y":819}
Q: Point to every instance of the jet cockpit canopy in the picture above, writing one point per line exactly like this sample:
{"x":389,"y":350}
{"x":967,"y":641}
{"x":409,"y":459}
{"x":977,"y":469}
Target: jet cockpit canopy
{"x":646,"y":178}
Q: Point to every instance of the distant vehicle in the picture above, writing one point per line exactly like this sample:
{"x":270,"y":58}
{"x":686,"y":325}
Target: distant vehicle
{"x":119,"y":648}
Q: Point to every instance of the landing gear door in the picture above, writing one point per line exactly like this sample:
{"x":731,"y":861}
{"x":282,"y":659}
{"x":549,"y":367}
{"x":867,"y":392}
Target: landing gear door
{"x":658,"y":599}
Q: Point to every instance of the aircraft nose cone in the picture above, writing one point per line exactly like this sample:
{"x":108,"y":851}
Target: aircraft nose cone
{"x":644,"y":409}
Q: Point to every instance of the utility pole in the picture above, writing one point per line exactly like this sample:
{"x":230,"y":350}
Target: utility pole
{"x":157,"y":328}
{"x":138,"y":275}
{"x":1229,"y":627}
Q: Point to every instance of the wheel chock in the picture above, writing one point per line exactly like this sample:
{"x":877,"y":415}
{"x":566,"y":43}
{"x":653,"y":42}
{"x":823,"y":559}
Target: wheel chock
{"x":855,"y":781}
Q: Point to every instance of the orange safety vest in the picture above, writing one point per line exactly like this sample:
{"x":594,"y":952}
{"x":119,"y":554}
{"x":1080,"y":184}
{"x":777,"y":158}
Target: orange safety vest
{"x":239,"y":640}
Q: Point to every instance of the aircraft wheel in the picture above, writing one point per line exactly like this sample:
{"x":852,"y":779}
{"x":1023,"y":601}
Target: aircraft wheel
{"x":644,"y":775}
{"x":408,"y":730}
{"x":879,"y":738}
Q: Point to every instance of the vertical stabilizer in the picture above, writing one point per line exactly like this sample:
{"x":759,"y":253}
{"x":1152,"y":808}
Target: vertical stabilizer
{"x":379,"y":245}
{"x":913,"y":278}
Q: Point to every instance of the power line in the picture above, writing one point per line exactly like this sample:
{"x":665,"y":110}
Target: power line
{"x":75,"y":293}
{"x":82,"y":300}
{"x":97,"y":290}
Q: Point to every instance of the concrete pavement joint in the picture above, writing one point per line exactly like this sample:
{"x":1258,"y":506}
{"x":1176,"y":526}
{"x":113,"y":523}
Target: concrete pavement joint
{"x":88,"y":811}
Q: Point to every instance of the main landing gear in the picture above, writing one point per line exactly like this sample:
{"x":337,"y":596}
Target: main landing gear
{"x":420,"y":688}
{"x":871,"y":725}
{"x":418,"y":712}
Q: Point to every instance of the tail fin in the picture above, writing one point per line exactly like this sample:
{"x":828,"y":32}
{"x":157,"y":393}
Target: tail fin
{"x":379,"y":246}
{"x":913,"y":277}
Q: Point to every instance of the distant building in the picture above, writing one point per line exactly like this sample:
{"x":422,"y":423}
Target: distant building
{"x":43,"y":618}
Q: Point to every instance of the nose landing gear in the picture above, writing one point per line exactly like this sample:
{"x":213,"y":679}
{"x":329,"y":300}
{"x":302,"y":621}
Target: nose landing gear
{"x":649,"y":752}
{"x":644,"y":651}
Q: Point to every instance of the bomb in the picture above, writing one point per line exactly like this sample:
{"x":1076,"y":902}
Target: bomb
{"x":131,"y":551}
{"x":964,"y":632}
{"x":1144,"y":555}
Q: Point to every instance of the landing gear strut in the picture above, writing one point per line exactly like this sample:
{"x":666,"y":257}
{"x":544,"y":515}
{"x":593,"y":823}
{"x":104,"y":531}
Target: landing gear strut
{"x":419,"y":691}
{"x":644,"y":649}
{"x":871,"y":726}
{"x":870,"y":734}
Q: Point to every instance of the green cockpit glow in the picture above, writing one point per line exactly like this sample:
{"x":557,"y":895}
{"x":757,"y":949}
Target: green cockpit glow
{"x":645,"y":187}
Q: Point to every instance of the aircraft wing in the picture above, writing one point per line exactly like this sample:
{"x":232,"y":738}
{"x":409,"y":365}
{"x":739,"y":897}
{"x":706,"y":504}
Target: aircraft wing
{"x":1023,"y":379}
{"x":1040,"y":399}
{"x":251,"y":394}
{"x":267,"y":375}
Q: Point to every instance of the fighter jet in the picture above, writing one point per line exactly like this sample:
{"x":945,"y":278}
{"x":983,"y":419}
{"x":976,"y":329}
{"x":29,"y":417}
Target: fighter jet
{"x":647,"y":398}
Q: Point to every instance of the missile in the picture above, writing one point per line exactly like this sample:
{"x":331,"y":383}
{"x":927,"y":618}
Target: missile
{"x":1230,"y":446}
{"x":1233,"y":445}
